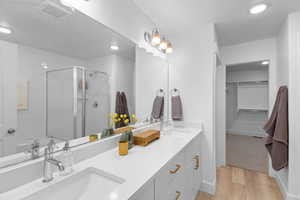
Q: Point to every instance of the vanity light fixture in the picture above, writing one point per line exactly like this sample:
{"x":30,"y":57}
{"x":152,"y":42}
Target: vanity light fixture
{"x":5,"y":30}
{"x":265,"y":62}
{"x":114,"y":47}
{"x":163,"y":44}
{"x":155,"y":38}
{"x":258,"y":8}
{"x":169,"y":48}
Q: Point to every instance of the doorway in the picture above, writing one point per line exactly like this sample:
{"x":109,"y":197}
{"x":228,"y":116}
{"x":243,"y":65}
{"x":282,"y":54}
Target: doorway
{"x":247,"y":86}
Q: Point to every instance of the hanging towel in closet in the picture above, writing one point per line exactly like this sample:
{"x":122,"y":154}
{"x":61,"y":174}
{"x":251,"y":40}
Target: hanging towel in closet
{"x":177,"y":113}
{"x":158,"y":107}
{"x":277,"y":129}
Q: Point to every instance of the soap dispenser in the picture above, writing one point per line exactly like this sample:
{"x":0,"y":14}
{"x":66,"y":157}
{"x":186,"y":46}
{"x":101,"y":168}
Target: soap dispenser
{"x":67,"y":159}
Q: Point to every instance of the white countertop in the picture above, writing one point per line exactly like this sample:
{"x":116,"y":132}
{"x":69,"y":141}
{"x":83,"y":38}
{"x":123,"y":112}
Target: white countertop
{"x":138,"y":167}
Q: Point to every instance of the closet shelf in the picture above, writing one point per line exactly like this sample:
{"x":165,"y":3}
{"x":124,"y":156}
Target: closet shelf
{"x":253,"y":109}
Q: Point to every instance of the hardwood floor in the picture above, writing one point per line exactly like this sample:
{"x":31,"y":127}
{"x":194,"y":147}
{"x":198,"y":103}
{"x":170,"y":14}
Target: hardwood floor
{"x":240,"y":184}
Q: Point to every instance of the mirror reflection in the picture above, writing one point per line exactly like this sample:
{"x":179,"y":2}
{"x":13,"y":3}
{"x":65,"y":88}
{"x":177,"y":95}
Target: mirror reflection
{"x":63,"y":75}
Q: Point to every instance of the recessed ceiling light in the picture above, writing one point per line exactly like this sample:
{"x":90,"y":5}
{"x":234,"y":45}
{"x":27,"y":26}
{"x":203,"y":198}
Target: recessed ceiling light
{"x":258,"y":8}
{"x":44,"y":65}
{"x":265,"y":62}
{"x":5,"y":30}
{"x":114,"y":47}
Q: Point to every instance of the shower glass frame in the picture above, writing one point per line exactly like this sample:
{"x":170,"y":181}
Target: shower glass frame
{"x":79,"y":73}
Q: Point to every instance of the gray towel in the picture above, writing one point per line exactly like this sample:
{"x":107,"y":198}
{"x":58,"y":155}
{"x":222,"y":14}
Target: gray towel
{"x":124,"y":104}
{"x":158,"y":107}
{"x":277,"y":129}
{"x":177,"y":113}
{"x":119,"y":107}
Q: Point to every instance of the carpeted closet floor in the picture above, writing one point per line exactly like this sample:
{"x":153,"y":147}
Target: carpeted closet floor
{"x":246,"y":152}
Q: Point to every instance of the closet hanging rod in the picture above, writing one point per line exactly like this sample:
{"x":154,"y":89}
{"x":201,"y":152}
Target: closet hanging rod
{"x":257,"y":82}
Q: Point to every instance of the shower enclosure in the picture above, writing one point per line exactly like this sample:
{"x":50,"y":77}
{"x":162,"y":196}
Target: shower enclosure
{"x":77,"y":102}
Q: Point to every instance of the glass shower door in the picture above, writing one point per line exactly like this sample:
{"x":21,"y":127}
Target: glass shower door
{"x":62,"y":105}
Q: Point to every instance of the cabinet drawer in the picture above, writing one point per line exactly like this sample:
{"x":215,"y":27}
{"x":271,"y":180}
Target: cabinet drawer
{"x":170,"y":175}
{"x":192,"y":151}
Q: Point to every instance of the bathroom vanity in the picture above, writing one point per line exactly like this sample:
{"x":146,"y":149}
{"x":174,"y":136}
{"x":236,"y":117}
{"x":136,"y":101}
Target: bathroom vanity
{"x":168,"y":168}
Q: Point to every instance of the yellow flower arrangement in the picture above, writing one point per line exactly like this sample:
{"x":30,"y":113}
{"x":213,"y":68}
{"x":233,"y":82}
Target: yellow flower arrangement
{"x":116,"y":118}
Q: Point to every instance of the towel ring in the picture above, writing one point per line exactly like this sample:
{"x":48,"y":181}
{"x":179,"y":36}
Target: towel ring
{"x":160,"y":92}
{"x":175,"y":92}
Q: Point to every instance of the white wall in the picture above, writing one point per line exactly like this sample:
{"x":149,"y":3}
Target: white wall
{"x":193,"y":62}
{"x":124,"y":17}
{"x":8,"y":108}
{"x":121,"y":77}
{"x":31,"y":122}
{"x":252,"y":52}
{"x":288,"y":74}
{"x":220,"y":114}
{"x":151,"y":74}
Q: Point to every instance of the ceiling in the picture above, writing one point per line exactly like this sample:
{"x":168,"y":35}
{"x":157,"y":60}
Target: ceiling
{"x":74,"y":34}
{"x":233,"y":22}
{"x":246,"y":66}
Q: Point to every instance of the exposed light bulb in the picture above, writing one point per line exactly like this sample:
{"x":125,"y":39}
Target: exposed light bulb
{"x":5,"y":30}
{"x":155,"y":38}
{"x":114,"y":47}
{"x":163,"y":44}
{"x":169,"y":48}
{"x":259,"y":8}
{"x":265,"y":62}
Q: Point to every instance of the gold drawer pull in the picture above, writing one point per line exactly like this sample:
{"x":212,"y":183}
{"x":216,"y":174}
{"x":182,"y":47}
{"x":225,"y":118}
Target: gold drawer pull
{"x":176,"y":170}
{"x":197,"y":162}
{"x":178,"y":194}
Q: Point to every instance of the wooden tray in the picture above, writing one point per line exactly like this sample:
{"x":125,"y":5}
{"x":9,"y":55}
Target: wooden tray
{"x":123,"y":129}
{"x":146,"y":137}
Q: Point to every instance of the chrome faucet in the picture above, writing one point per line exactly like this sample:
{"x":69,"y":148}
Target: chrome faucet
{"x":49,"y":161}
{"x":33,"y":149}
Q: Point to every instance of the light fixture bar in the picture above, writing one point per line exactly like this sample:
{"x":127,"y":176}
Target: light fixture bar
{"x":156,"y":40}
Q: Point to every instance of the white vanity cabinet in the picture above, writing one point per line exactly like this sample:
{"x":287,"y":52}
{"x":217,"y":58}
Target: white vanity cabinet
{"x":147,"y":192}
{"x":179,"y":179}
{"x":170,"y":180}
{"x":193,"y":172}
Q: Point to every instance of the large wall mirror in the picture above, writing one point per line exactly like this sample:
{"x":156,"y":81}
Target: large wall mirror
{"x":65,"y":75}
{"x":60,"y":73}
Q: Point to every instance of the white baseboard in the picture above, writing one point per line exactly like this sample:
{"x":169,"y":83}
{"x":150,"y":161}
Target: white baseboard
{"x":292,"y":197}
{"x":208,"y":187}
{"x":284,"y":191}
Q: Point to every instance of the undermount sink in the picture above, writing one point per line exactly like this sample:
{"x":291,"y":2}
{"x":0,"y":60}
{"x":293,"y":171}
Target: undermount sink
{"x":88,"y":184}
